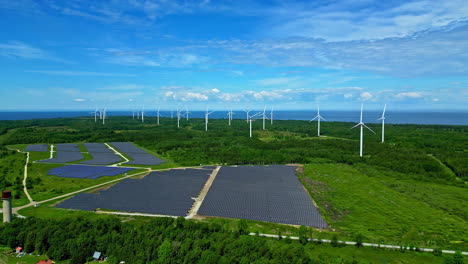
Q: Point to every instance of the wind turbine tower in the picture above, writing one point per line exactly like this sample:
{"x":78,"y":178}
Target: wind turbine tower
{"x":318,"y":117}
{"x":104,"y":116}
{"x":143,"y":115}
{"x":229,"y":115}
{"x":95,"y":115}
{"x":206,"y":118}
{"x":264,"y":117}
{"x":361,"y":139}
{"x":178,"y":117}
{"x":271,"y":116}
{"x":157,"y":115}
{"x":383,"y":123}
{"x":187,"y":113}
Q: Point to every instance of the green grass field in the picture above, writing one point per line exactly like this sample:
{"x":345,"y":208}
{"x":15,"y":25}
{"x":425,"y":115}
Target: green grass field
{"x":386,"y":211}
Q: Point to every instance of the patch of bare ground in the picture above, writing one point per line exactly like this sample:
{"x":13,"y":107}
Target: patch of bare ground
{"x":320,"y":191}
{"x":96,"y":191}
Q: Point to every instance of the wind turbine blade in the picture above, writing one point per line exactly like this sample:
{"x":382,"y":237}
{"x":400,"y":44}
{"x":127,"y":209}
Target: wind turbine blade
{"x":313,"y":119}
{"x":323,"y":119}
{"x":362,"y":106}
{"x":356,"y":125}
{"x":383,"y":113}
{"x":368,"y":128}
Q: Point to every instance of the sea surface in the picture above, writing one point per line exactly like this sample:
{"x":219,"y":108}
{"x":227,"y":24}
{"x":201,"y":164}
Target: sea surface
{"x":400,"y":117}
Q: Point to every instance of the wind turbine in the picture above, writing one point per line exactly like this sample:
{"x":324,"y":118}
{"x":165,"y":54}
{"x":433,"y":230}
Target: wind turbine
{"x":229,"y":116}
{"x":264,"y":117}
{"x":247,"y":115}
{"x":157,"y":115}
{"x":104,"y":116}
{"x":361,"y":125}
{"x":133,"y":114}
{"x":250,"y":120}
{"x":271,"y":116}
{"x":178,"y":117}
{"x":383,"y":123}
{"x":187,"y":113}
{"x":95,"y":115}
{"x":206,"y":118}
{"x":318,"y":117}
{"x":143,"y":115}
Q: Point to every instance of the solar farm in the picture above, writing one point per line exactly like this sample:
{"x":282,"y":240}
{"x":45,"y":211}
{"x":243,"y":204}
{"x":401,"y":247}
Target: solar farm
{"x":264,"y":193}
{"x":164,"y":192}
{"x":100,"y":153}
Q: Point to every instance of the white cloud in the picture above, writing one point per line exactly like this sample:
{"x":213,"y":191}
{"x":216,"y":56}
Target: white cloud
{"x":79,"y":100}
{"x":358,"y":20}
{"x":215,"y":90}
{"x":21,"y":50}
{"x":409,"y":95}
{"x":365,"y":96}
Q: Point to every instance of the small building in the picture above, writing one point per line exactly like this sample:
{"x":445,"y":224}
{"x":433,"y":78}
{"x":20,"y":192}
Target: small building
{"x":97,"y":255}
{"x":19,"y":249}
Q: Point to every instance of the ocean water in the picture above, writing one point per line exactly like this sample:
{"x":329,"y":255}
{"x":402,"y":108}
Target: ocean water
{"x":400,"y":117}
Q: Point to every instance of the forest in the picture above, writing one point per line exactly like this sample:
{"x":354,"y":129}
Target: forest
{"x":168,"y":240}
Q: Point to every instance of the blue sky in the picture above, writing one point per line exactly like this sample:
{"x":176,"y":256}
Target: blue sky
{"x":78,"y":55}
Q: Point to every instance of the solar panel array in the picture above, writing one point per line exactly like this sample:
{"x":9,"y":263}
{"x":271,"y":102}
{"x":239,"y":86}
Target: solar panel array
{"x":86,"y":172}
{"x":37,"y":147}
{"x":101,"y":154}
{"x":264,"y":193}
{"x":163,"y":192}
{"x":65,"y":153}
{"x":138,"y":156}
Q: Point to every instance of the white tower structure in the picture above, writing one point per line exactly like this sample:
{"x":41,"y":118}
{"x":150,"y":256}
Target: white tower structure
{"x":7,"y":212}
{"x":361,"y":138}
{"x":383,"y":123}
{"x":318,"y":117}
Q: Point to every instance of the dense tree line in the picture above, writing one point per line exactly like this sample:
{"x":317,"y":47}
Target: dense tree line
{"x":11,"y":171}
{"x":161,"y":240}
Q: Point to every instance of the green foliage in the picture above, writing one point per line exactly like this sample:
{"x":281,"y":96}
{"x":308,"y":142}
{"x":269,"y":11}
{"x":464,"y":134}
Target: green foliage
{"x":356,"y":203}
{"x":407,"y":149}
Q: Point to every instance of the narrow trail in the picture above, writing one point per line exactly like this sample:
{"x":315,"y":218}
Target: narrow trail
{"x":354,"y":243}
{"x":25,"y":178}
{"x":201,"y":196}
{"x":118,"y":154}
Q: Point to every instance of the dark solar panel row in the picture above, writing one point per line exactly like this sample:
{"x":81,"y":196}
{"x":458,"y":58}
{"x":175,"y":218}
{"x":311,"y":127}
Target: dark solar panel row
{"x":84,"y":171}
{"x":64,"y":157}
{"x":127,"y":147}
{"x":264,"y":193}
{"x":67,"y":147}
{"x":164,"y":192}
{"x":101,"y":154}
{"x":137,"y":155}
{"x":97,"y":147}
{"x":37,"y":147}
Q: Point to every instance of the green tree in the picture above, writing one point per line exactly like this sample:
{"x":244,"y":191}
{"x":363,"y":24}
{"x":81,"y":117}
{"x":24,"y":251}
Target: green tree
{"x":165,"y":252}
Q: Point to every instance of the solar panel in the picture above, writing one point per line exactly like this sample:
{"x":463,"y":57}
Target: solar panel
{"x":264,"y":193}
{"x":37,"y":147}
{"x":164,"y":192}
{"x":137,"y":155}
{"x":64,"y":157}
{"x":89,"y":172}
